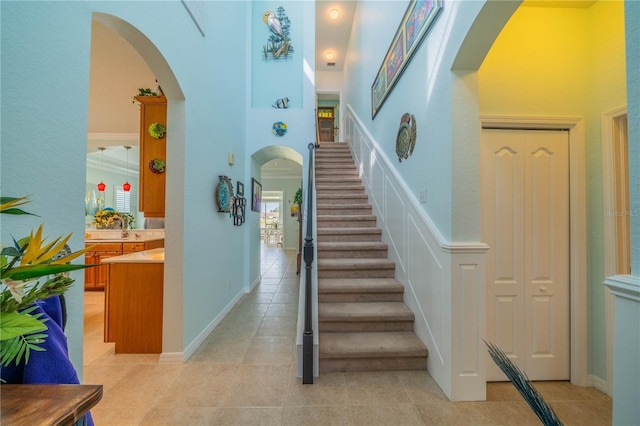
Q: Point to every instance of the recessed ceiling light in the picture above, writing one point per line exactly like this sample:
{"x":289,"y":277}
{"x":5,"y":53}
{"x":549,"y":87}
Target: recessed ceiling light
{"x":329,"y":56}
{"x":333,"y":14}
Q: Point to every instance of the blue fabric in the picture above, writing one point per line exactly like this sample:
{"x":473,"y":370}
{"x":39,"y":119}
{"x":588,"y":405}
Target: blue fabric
{"x":51,"y":366}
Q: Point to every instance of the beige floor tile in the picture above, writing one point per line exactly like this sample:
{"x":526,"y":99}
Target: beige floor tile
{"x":371,"y":388}
{"x":327,"y":389}
{"x":277,"y":326}
{"x":258,"y":386}
{"x":270,"y":350}
{"x":193,"y":416}
{"x":583,"y":413}
{"x":199,"y":385}
{"x":254,"y":416}
{"x":244,"y":374}
{"x":420,"y":386}
{"x":385,"y":414}
{"x":317,"y":415}
{"x":282,"y":310}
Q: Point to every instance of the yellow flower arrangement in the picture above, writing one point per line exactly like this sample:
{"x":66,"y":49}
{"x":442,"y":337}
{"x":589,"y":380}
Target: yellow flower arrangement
{"x":106,"y":218}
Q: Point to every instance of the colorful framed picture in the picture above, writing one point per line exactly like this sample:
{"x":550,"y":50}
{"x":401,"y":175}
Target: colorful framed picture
{"x":415,"y":25}
{"x":256,"y":195}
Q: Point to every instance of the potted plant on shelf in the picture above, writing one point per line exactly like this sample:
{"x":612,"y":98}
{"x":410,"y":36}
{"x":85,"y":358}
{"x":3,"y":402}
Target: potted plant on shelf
{"x":33,"y":276}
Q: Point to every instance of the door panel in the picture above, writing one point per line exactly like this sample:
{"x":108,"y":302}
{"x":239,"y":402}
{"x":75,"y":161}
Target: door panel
{"x":525,"y":216}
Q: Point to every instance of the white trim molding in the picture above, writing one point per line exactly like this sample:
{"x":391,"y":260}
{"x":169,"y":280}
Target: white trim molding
{"x":609,"y":139}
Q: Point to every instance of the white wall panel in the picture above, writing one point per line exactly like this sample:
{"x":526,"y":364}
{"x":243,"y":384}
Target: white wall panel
{"x":444,"y":284}
{"x":394,"y":222}
{"x":376,"y":187}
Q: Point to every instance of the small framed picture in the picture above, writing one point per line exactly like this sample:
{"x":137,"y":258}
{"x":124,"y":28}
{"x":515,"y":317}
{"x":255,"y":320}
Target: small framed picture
{"x":239,"y":188}
{"x":256,"y":195}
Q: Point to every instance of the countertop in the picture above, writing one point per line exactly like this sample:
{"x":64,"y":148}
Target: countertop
{"x":114,"y":236}
{"x":147,"y":256}
{"x":130,"y":239}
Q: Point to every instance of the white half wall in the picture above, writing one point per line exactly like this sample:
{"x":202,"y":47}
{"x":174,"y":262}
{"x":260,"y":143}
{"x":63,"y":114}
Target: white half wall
{"x":444,"y":282}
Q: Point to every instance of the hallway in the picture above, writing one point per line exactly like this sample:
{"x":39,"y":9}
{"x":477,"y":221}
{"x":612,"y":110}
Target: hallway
{"x":244,"y":374}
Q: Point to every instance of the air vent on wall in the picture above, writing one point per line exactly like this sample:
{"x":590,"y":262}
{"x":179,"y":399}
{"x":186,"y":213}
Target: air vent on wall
{"x":331,"y":64}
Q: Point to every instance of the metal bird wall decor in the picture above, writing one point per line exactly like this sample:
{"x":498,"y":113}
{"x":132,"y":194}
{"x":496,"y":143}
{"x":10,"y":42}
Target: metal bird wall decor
{"x":279,"y":44}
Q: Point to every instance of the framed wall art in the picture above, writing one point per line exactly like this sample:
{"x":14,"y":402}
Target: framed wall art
{"x":256,"y":195}
{"x":415,"y":25}
{"x":239,"y":188}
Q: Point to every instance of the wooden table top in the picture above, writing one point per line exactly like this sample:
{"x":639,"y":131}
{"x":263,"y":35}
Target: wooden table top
{"x":46,"y":404}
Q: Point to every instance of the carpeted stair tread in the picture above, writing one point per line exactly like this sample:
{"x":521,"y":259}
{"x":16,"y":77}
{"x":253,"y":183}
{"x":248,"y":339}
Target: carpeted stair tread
{"x":343,"y":206}
{"x":359,"y":285}
{"x":371,"y":345}
{"x":345,"y":217}
{"x":352,"y":231}
{"x":352,"y":245}
{"x":351,"y":264}
{"x":367,"y":311}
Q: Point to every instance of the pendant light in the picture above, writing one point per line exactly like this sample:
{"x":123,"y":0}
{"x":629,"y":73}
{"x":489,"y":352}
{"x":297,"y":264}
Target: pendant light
{"x":101,"y":186}
{"x":126,"y":187}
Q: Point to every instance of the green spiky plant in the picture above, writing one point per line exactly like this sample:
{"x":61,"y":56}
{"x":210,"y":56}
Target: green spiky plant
{"x":22,"y":264}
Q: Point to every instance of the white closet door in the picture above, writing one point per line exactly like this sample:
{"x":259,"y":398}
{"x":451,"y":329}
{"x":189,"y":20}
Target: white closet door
{"x":525,"y":203}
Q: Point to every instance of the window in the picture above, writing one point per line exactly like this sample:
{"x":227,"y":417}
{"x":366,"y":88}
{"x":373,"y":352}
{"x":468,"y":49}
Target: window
{"x":123,"y":200}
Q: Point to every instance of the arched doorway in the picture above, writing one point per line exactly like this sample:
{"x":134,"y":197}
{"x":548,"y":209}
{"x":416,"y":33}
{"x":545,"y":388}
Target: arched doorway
{"x":172,"y":329}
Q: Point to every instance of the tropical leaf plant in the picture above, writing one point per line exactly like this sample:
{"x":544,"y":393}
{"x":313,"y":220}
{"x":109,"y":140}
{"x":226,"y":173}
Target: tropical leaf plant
{"x":21,"y":265}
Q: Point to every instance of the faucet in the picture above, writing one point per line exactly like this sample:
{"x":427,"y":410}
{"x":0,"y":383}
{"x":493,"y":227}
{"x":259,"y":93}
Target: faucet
{"x":125,"y":232}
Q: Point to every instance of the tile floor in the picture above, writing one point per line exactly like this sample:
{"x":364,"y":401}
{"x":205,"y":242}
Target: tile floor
{"x":244,"y":374}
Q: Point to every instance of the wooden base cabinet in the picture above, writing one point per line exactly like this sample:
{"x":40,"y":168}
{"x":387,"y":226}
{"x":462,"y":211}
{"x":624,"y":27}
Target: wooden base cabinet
{"x":133,"y":307}
{"x":95,"y":278}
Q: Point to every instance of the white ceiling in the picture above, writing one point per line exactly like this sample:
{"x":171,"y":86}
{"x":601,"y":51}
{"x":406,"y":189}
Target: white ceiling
{"x":332,"y":35}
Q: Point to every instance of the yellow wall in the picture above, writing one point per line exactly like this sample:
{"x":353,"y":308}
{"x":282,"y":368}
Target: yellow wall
{"x":565,"y":62}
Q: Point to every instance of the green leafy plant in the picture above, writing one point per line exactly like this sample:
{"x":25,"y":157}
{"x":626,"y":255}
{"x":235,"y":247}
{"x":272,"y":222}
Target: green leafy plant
{"x":146,"y":92}
{"x":297,"y":199}
{"x":22,"y":264}
{"x":157,"y":130}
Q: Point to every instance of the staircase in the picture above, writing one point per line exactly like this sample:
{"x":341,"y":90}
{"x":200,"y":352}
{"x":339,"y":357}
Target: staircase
{"x":363,"y":323}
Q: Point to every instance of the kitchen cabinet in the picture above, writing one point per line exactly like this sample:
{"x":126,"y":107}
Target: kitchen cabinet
{"x":95,"y":278}
{"x":133,"y":302}
{"x":153,"y":109}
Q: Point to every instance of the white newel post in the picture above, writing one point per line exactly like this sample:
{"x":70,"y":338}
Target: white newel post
{"x":626,"y":349}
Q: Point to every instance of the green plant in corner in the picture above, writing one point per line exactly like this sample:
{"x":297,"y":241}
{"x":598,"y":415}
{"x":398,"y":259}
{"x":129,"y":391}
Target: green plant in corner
{"x":21,"y":266}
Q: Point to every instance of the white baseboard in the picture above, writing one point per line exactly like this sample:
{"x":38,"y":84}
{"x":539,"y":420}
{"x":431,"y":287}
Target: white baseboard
{"x":598,"y":383}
